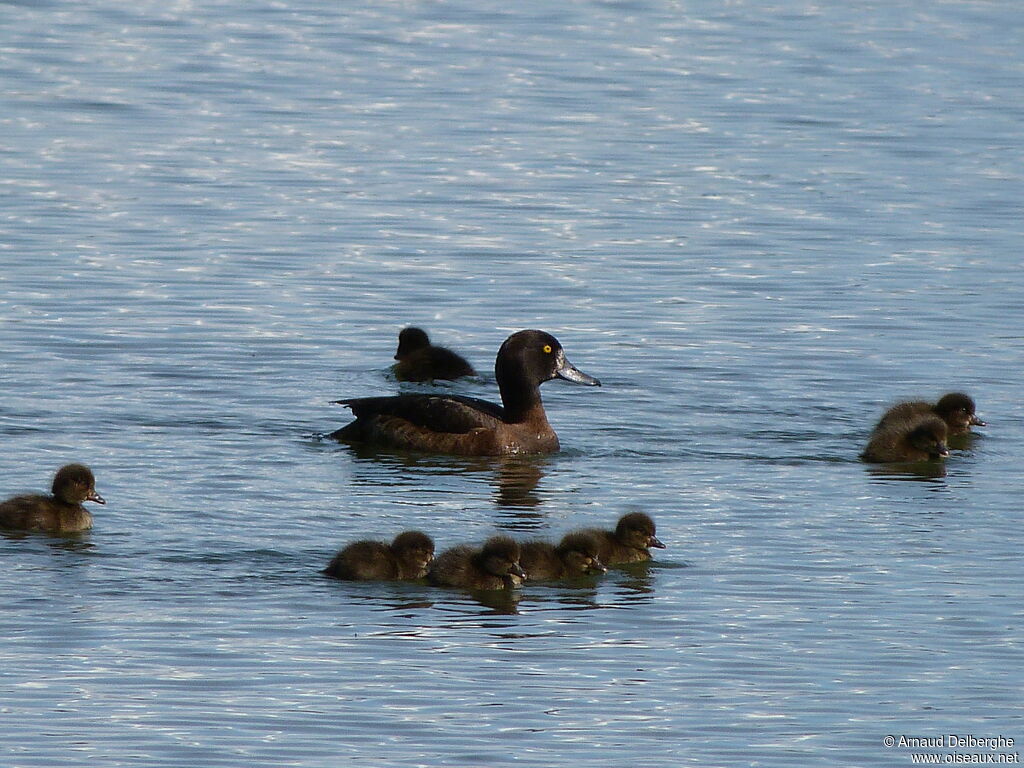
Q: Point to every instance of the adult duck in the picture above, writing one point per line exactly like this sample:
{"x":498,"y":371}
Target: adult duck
{"x":468,"y":426}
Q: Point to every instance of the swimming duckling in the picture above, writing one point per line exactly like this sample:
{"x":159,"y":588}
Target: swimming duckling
{"x":917,"y":437}
{"x":419,"y":360}
{"x":468,"y":426}
{"x":60,"y":513}
{"x":574,"y":556}
{"x":955,"y":408}
{"x":629,"y":542}
{"x":407,"y":557}
{"x":495,"y":565}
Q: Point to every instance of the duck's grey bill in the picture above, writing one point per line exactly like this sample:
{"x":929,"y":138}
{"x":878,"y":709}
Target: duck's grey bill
{"x":570,"y":372}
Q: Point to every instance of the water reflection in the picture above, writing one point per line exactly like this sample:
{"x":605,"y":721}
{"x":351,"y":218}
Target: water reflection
{"x":579,"y":594}
{"x":634,"y":585}
{"x":498,"y":601}
{"x":401,"y":596}
{"x":964,"y":441}
{"x":516,"y":480}
{"x":69,"y":541}
{"x":922,"y":471}
{"x":388,"y":595}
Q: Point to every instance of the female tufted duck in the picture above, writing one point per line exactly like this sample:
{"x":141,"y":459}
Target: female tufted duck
{"x":493,"y":566}
{"x":419,"y":360}
{"x":630,"y":540}
{"x":575,"y":555}
{"x":915,"y":437}
{"x":407,"y":557}
{"x":60,"y":513}
{"x":955,"y":408}
{"x":468,"y":426}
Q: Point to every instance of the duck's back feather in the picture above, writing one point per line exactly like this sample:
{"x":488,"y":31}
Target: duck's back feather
{"x":447,"y":413}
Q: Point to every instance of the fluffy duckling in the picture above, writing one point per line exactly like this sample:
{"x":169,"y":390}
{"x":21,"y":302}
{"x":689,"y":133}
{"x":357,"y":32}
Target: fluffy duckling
{"x":575,"y":555}
{"x":60,"y":513}
{"x":956,"y":409}
{"x":629,"y":542}
{"x":920,"y":437}
{"x":419,"y":360}
{"x":495,"y":565}
{"x":407,"y":557}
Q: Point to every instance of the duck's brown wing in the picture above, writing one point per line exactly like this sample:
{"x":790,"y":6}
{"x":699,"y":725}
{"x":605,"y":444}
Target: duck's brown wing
{"x":449,"y":424}
{"x":448,"y":413}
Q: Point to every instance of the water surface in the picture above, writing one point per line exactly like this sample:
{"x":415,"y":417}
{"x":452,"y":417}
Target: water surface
{"x":757,"y":224}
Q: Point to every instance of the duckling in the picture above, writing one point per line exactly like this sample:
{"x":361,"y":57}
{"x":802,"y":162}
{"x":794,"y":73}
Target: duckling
{"x":629,"y":542}
{"x":407,"y":557}
{"x":574,"y":556}
{"x":419,"y":360}
{"x":956,"y":409}
{"x":915,"y":437}
{"x":467,"y":426}
{"x":495,"y":565}
{"x":60,"y":513}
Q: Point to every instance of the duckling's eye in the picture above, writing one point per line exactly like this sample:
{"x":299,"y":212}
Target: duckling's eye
{"x":547,"y":349}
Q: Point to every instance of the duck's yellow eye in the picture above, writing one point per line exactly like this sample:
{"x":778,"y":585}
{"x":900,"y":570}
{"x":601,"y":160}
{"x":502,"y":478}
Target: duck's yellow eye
{"x":547,"y":349}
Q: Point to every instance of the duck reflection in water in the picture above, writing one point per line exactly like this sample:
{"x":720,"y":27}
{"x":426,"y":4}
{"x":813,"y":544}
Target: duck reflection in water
{"x":516,"y":481}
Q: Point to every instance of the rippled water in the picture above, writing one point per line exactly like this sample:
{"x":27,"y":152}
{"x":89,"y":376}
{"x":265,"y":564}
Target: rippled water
{"x":757,"y":224}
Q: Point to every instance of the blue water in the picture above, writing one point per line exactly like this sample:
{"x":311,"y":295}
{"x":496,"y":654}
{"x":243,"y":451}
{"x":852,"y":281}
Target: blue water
{"x":757,"y":224}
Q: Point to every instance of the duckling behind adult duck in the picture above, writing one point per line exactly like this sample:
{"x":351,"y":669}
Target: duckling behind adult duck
{"x":917,"y":437}
{"x":955,"y":408}
{"x":495,"y":565}
{"x":61,"y":512}
{"x":407,"y":557}
{"x":419,"y":360}
{"x":629,"y":542}
{"x":575,"y":555}
{"x":468,"y":426}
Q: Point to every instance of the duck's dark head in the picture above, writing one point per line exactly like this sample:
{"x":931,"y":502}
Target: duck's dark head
{"x":409,"y":340}
{"x":637,"y":530}
{"x":414,"y":548}
{"x":928,"y":434}
{"x":529,"y":358}
{"x":958,"y":411}
{"x":579,"y":551}
{"x":74,"y":483}
{"x":500,"y":557}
